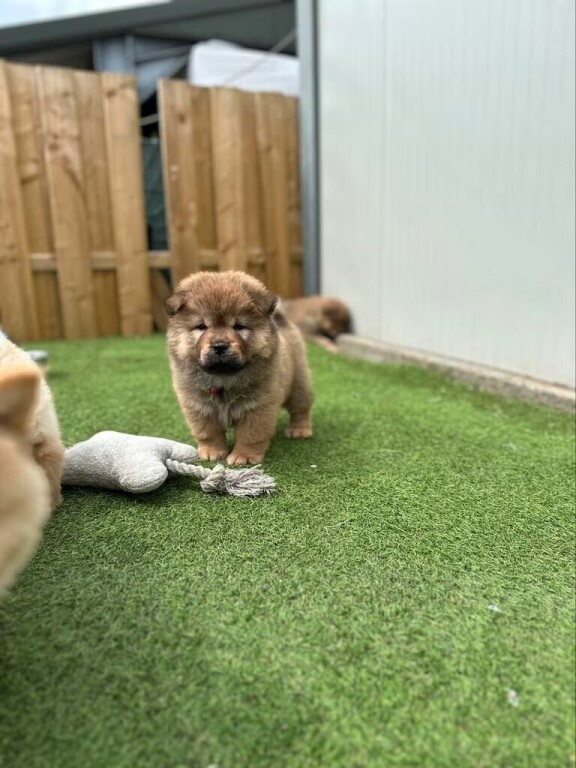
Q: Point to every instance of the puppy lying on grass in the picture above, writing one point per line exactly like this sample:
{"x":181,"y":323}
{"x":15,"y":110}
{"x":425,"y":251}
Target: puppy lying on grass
{"x":321,"y":319}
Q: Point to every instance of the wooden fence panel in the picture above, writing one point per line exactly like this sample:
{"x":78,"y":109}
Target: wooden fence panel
{"x":231,"y":166}
{"x":74,"y":257}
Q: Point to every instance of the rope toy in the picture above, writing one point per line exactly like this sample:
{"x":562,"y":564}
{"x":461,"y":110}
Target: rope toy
{"x":137,"y":464}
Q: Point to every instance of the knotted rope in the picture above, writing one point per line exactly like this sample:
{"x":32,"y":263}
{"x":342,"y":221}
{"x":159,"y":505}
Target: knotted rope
{"x":250,"y":481}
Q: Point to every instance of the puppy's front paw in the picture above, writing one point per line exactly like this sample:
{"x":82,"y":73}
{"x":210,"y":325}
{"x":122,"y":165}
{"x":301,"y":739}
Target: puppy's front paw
{"x":211,"y":452}
{"x":245,"y":457}
{"x":298,"y":433}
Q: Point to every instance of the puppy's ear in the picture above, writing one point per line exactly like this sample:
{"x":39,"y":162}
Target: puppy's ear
{"x":175,"y":303}
{"x":19,"y":389}
{"x":264,"y":300}
{"x":269,"y":302}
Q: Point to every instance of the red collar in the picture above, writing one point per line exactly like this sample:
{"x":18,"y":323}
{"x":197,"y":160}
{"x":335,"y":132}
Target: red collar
{"x":216,"y":391}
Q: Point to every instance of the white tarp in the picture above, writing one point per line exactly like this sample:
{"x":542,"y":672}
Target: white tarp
{"x":217,"y":63}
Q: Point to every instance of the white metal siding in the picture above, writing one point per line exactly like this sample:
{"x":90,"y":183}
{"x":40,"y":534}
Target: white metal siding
{"x":447,"y":176}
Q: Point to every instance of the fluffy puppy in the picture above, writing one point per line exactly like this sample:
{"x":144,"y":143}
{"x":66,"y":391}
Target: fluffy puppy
{"x":24,"y":488}
{"x":43,"y":432}
{"x":320,"y":319}
{"x":235,"y":362}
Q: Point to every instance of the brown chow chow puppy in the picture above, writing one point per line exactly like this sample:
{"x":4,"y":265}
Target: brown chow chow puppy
{"x":24,"y":488}
{"x":44,"y":432}
{"x":319,"y":318}
{"x":235,"y":362}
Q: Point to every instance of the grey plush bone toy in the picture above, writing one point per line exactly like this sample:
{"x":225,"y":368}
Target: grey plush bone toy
{"x":141,"y":464}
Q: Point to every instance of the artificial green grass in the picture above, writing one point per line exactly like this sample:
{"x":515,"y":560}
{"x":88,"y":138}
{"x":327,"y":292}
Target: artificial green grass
{"x":343,"y":622}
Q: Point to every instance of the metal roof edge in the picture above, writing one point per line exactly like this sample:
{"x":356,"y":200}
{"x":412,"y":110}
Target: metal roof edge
{"x":23,"y":37}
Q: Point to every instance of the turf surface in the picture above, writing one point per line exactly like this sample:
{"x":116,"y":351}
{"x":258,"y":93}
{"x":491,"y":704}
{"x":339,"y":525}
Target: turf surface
{"x":343,"y":622}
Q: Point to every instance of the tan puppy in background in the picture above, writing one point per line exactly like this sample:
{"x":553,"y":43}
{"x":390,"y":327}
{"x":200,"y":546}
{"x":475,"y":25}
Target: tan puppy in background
{"x":43,"y":432}
{"x":24,"y":488}
{"x":321,"y":319}
{"x":235,"y":362}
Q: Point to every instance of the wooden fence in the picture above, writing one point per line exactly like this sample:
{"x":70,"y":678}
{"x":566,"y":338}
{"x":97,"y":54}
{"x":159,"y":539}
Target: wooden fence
{"x":74,"y":258}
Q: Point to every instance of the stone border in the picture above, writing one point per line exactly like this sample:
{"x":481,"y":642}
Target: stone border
{"x":484,"y":378}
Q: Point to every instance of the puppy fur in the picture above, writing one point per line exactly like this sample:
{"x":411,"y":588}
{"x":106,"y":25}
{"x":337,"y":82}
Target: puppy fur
{"x":235,"y":362}
{"x":24,"y":487}
{"x":321,"y":319}
{"x":43,"y":432}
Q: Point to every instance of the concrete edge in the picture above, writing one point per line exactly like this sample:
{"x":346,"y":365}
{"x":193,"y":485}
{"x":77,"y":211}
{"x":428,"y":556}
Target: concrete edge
{"x":482,"y":377}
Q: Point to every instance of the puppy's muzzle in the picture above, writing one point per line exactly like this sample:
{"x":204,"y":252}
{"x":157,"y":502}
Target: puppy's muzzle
{"x":221,"y":359}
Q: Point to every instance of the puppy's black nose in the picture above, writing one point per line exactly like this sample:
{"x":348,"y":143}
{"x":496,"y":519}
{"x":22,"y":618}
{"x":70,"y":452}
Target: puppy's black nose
{"x":220,"y":347}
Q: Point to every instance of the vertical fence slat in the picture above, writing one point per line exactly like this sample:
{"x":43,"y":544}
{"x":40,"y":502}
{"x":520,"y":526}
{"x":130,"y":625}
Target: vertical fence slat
{"x":254,"y":257}
{"x":179,"y":171}
{"x":273,"y":175}
{"x":160,"y":291}
{"x":65,"y":171}
{"x":27,"y":129}
{"x":17,"y":305}
{"x":96,"y":173}
{"x":204,"y":175}
{"x":236,"y":184}
{"x":225,"y":108}
{"x":127,"y":200}
{"x":32,"y":169}
{"x":265,"y":173}
{"x":293,"y":213}
{"x":187,"y":173}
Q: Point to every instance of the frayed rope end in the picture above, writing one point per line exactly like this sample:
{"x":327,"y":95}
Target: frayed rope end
{"x":247,"y":482}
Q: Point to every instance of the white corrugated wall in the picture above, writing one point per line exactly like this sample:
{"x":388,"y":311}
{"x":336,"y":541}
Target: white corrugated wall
{"x":447,"y":176}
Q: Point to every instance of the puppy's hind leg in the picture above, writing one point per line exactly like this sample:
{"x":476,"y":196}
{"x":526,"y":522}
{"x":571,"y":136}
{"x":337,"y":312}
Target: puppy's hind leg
{"x":299,"y":405}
